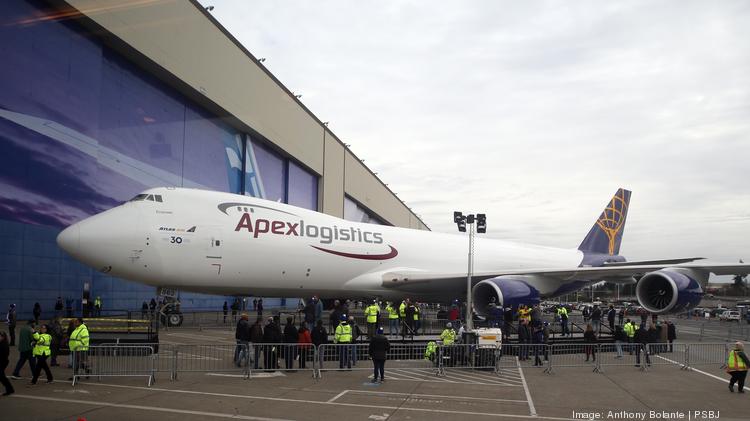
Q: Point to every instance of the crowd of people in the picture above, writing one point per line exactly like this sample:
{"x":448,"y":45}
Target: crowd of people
{"x":39,"y":343}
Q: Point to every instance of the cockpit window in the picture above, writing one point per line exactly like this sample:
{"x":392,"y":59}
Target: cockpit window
{"x":149,"y":197}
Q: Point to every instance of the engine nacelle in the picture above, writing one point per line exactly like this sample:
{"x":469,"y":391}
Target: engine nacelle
{"x":507,"y":291}
{"x":668,"y":291}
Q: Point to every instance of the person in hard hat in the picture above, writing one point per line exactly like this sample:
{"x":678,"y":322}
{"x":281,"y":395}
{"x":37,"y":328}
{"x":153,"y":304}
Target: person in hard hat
{"x":448,"y":336}
{"x":343,"y":337}
{"x":737,"y":365}
{"x":379,"y":347}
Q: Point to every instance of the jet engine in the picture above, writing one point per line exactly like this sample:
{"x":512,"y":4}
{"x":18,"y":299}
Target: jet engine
{"x":668,"y":291}
{"x":507,"y":292}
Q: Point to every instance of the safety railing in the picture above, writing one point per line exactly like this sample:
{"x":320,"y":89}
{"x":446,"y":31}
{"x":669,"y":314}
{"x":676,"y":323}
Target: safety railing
{"x":114,"y":361}
{"x":401,"y":357}
{"x":707,"y":354}
{"x":281,"y":357}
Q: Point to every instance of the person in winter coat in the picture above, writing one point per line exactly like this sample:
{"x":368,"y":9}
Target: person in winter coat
{"x":640,"y":343}
{"x":524,"y":338}
{"x":55,"y":330}
{"x":537,"y":338}
{"x":305,"y":345}
{"x":319,"y":337}
{"x":256,"y":339}
{"x":271,"y":335}
{"x":379,"y":347}
{"x":620,"y":338}
{"x":290,"y":337}
{"x":242,"y":337}
{"x":4,"y":361}
{"x":737,"y":365}
{"x":589,"y":336}
{"x":671,"y":334}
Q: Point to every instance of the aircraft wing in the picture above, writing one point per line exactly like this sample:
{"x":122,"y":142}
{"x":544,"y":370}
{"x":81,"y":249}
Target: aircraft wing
{"x":406,"y":276}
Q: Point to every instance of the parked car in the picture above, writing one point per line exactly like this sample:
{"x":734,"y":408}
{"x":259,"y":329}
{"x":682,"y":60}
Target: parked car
{"x":730,"y":316}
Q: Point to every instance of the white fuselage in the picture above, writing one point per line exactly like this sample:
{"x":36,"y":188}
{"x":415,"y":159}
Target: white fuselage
{"x":229,"y":244}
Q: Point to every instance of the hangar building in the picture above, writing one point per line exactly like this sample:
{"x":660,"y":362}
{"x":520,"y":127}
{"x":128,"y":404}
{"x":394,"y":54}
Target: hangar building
{"x":101,"y":99}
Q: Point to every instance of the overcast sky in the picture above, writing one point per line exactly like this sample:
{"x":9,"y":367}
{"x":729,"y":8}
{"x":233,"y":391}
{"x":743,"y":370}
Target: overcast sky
{"x":533,"y":112}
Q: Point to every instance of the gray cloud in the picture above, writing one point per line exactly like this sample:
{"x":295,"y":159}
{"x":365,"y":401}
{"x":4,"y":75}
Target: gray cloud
{"x":533,"y":112}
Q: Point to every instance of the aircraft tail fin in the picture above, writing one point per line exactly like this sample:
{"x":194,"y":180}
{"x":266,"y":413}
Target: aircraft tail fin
{"x":606,"y":234}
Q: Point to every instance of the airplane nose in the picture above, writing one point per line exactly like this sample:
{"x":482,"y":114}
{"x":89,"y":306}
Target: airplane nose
{"x":70,"y":239}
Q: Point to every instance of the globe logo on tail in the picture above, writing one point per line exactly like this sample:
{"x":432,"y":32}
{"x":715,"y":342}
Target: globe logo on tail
{"x":612,"y":219}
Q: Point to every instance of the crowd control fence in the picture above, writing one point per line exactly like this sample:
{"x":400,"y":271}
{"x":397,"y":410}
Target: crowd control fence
{"x":242,"y":359}
{"x":114,"y":361}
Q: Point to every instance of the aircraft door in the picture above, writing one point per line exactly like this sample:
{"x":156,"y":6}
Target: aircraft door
{"x":213,"y":246}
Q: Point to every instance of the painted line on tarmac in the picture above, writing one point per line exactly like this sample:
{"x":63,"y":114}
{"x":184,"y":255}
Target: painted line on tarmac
{"x":472,"y":376}
{"x":532,"y":409}
{"x":455,"y":398}
{"x":150,"y":408}
{"x":337,"y":396}
{"x":696,"y":370}
{"x":355,"y":405}
{"x":461,"y":378}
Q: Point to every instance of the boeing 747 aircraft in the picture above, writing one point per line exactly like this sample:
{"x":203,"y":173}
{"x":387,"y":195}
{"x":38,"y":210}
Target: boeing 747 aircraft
{"x":223,"y":243}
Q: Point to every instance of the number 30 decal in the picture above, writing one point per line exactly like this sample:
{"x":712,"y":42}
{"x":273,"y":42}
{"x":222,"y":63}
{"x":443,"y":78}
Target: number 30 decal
{"x":177,"y":240}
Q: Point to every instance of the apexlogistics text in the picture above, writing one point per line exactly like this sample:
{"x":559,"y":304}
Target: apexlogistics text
{"x":299,"y":229}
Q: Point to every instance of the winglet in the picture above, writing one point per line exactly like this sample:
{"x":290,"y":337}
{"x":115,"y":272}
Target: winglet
{"x":606,"y":234}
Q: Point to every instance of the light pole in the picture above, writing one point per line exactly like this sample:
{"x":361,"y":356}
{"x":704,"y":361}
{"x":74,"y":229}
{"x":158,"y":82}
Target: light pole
{"x":481,"y":227}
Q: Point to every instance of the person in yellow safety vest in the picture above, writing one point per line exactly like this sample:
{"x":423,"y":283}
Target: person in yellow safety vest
{"x":562,"y":313}
{"x":524,"y":313}
{"x":417,"y":325}
{"x":343,"y":337}
{"x":448,"y":336}
{"x":392,"y":318}
{"x":79,"y":346}
{"x":41,"y":352}
{"x":630,"y":329}
{"x":737,"y":364}
{"x":429,"y":352}
{"x":402,"y":315}
{"x":372,"y":312}
{"x":98,"y":306}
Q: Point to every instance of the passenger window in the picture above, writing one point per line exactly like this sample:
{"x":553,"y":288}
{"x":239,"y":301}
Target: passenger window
{"x":218,"y":243}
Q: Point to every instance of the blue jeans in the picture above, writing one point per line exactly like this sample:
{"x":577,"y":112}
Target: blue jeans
{"x":393,"y":326}
{"x":243,"y":353}
{"x":379,"y":369}
{"x":25,"y":356}
{"x":618,"y":346}
{"x":344,"y":351}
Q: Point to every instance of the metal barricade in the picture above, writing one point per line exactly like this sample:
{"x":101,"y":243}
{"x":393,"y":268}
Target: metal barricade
{"x":573,"y":355}
{"x":210,"y":358}
{"x":528,"y":355}
{"x":707,"y":354}
{"x":282,"y":357}
{"x":616,"y":354}
{"x":114,"y":361}
{"x":470,"y":356}
{"x":401,"y":357}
